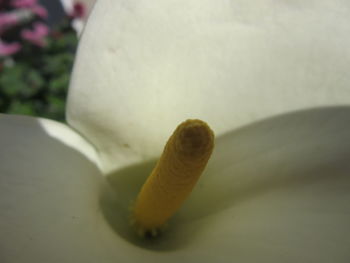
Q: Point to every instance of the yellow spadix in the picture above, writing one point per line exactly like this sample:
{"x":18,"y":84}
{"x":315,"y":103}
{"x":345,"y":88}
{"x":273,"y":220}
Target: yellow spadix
{"x":182,"y":162}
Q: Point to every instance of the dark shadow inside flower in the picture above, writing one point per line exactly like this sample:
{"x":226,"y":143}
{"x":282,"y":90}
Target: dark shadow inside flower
{"x":307,"y":149}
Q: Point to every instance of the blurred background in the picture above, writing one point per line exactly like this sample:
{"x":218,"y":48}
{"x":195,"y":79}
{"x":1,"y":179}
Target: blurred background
{"x":38,"y":41}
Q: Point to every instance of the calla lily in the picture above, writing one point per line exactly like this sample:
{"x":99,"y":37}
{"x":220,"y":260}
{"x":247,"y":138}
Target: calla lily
{"x":271,"y":78}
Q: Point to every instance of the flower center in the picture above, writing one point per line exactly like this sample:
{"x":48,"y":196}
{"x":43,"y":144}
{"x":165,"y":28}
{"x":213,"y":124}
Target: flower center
{"x":182,"y":162}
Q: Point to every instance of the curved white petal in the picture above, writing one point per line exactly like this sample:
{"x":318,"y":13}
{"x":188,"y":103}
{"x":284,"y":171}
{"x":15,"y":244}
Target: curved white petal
{"x":274,"y":191}
{"x":278,"y":191}
{"x":289,"y":203}
{"x":50,"y":195}
{"x":144,"y":66}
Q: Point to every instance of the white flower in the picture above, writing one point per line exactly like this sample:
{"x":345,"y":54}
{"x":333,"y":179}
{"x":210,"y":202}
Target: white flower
{"x":270,"y":77}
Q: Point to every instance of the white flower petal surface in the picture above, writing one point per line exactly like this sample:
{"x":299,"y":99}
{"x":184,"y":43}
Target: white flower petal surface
{"x":274,"y":191}
{"x":145,"y":66}
{"x":277,"y":191}
{"x":49,"y":195}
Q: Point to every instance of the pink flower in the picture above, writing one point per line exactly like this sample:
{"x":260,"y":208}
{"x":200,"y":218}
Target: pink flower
{"x":7,"y":20}
{"x":8,"y":49}
{"x":39,"y":11}
{"x":79,"y":10}
{"x":37,"y":35}
{"x":23,"y":3}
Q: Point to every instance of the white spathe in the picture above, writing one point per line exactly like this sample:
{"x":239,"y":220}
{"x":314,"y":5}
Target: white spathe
{"x":227,"y":62}
{"x":277,"y":188}
{"x":262,"y":198}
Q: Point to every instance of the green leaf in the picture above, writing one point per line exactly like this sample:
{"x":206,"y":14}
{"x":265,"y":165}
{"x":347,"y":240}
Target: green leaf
{"x":11,"y":81}
{"x":22,"y":108}
{"x":34,"y":82}
{"x":59,"y":84}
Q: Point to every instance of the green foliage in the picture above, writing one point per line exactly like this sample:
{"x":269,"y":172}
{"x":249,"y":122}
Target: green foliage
{"x":35,"y":81}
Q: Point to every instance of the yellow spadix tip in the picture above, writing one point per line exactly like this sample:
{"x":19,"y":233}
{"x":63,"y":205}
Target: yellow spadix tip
{"x":182,"y":162}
